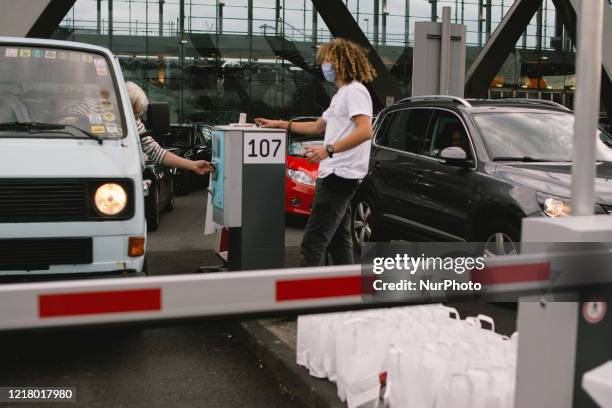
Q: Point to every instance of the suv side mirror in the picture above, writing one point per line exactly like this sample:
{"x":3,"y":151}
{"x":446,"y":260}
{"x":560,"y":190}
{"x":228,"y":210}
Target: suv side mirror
{"x":158,"y":118}
{"x":455,"y":156}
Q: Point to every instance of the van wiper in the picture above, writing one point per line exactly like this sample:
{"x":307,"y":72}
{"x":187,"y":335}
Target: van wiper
{"x":33,"y":127}
{"x":521,"y":159}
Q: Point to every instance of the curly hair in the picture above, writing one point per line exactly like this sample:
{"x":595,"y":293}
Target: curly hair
{"x":350,"y":60}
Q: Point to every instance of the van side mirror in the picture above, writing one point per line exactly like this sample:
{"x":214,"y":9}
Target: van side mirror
{"x":158,"y":118}
{"x":455,"y":156}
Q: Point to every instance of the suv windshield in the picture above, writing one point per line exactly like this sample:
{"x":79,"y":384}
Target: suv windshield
{"x":57,"y":86}
{"x":532,"y":136}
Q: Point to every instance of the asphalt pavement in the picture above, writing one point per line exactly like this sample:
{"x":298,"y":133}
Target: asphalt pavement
{"x":200,"y":364}
{"x":196,"y":365}
{"x":180,"y":246}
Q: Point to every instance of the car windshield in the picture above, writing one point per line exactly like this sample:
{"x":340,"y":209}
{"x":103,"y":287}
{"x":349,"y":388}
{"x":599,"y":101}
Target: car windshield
{"x":298,"y":144}
{"x":45,"y":86}
{"x":206,"y":132}
{"x":534,"y":136}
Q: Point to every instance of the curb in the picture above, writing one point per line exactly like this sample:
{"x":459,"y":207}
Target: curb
{"x":280,"y":360}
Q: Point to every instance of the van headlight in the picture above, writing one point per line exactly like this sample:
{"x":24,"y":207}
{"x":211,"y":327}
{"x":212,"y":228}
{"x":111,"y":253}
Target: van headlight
{"x":300,"y":176}
{"x":110,"y":199}
{"x":554,"y":206}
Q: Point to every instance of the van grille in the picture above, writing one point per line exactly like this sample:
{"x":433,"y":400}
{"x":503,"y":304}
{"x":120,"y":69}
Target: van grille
{"x":43,"y":200}
{"x":39,"y":254}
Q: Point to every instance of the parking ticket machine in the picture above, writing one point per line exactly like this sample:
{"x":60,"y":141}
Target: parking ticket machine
{"x":248,"y":193}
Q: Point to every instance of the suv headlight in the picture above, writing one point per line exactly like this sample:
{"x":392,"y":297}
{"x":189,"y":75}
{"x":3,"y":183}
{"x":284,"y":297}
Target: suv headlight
{"x":110,"y":199}
{"x":300,"y":176}
{"x":554,"y":206}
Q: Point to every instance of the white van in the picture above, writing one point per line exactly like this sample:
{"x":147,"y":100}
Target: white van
{"x":71,"y":192}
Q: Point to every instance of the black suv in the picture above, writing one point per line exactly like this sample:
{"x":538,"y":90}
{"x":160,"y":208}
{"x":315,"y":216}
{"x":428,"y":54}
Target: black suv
{"x":445,"y":168}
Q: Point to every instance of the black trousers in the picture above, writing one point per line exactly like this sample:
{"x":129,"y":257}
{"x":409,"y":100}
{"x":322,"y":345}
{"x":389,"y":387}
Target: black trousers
{"x":329,"y":226}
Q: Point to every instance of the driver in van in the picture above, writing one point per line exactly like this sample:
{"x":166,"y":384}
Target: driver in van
{"x":152,"y":150}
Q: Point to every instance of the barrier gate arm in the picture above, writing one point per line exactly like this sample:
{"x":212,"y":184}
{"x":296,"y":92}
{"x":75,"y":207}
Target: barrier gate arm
{"x":74,"y":303}
{"x":88,"y":302}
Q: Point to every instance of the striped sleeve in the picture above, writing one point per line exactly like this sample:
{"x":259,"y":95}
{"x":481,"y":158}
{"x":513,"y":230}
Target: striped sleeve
{"x":140,"y":127}
{"x":152,"y":150}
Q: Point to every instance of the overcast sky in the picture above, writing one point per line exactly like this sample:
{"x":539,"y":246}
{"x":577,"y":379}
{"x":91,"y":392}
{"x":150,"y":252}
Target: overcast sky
{"x":235,"y":14}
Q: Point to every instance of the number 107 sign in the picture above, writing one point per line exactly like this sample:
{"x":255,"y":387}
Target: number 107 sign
{"x":263,"y":147}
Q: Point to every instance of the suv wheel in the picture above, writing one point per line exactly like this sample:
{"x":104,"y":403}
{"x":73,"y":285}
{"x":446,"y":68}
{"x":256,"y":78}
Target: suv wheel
{"x":362,"y":222}
{"x":502,"y":238}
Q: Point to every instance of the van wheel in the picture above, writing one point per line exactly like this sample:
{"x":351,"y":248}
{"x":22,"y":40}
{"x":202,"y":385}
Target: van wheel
{"x":153,"y":218}
{"x":501,"y":238}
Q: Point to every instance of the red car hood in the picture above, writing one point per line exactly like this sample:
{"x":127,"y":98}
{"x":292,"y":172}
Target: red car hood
{"x":301,"y":163}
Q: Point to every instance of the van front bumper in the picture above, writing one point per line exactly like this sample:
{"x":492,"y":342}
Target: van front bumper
{"x":108,"y":256}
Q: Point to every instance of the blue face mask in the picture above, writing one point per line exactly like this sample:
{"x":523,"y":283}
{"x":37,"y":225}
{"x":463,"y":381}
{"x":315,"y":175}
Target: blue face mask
{"x":328,"y":72}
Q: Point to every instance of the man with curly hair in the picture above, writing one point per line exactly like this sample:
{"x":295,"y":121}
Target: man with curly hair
{"x":343,"y":158}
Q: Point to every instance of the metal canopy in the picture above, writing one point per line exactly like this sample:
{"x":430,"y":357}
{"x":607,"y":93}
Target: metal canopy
{"x":491,"y":58}
{"x":567,"y":13}
{"x":32,"y":18}
{"x":341,"y":23}
{"x":493,"y":55}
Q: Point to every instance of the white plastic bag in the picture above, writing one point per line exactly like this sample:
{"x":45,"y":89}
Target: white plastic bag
{"x":209,"y":225}
{"x":360,"y":349}
{"x":303,"y":336}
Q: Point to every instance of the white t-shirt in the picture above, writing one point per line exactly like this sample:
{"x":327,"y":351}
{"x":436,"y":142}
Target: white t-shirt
{"x":350,"y":100}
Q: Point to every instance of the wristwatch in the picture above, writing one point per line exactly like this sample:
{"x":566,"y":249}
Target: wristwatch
{"x":330,"y":150}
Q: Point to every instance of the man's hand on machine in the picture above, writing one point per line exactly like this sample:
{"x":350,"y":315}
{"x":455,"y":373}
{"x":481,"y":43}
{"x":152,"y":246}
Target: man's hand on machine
{"x":269,"y":123}
{"x":315,"y":154}
{"x":202,"y":167}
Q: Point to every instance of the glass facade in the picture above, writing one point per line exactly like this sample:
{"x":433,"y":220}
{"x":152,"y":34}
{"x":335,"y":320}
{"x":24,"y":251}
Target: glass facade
{"x":211,"y":59}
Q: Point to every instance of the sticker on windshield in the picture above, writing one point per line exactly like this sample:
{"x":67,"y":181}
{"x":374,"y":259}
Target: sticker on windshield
{"x":87,"y":58}
{"x":37,"y":53}
{"x":109,"y":116}
{"x":98,"y":129}
{"x":95,"y":119}
{"x":106,"y":105}
{"x":99,"y":62}
{"x":62,"y":55}
{"x":101,"y":71}
{"x":75,"y":56}
{"x":112,"y":128}
{"x":10,"y":52}
{"x":51,"y":54}
{"x":25,"y":52}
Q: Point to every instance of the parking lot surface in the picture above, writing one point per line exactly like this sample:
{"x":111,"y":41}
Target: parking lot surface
{"x":200,"y":364}
{"x":196,"y":365}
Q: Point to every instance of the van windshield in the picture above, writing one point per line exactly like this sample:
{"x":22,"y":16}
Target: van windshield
{"x":58,"y":86}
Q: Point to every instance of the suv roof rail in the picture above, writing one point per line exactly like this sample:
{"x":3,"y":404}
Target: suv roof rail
{"x":534,"y":102}
{"x":437,"y":97}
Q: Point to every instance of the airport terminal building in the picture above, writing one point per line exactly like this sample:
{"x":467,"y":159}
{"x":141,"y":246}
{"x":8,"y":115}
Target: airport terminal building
{"x":211,"y":59}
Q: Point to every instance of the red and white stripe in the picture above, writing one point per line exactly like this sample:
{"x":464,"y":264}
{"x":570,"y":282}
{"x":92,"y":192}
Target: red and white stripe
{"x":84,"y":302}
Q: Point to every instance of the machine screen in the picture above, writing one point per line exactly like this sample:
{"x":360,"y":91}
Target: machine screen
{"x":217,"y":161}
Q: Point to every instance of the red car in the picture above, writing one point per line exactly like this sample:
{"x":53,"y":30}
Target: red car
{"x":301,"y":175}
